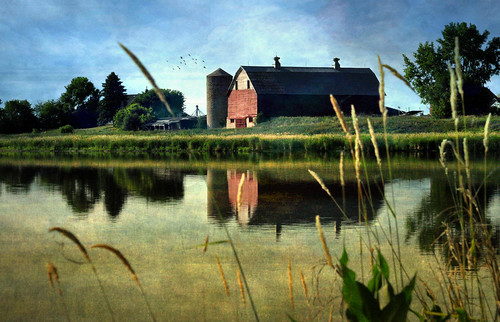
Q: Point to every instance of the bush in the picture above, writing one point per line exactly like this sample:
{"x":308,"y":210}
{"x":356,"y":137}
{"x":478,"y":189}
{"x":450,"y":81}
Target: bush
{"x":66,"y":129}
{"x":133,"y":117}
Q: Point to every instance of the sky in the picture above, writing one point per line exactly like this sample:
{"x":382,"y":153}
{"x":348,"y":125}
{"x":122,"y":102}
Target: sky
{"x":46,"y":43}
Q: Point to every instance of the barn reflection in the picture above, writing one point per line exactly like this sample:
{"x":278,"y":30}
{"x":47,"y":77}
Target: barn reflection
{"x":290,"y":200}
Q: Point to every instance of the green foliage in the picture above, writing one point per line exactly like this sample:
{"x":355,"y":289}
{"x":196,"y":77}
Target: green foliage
{"x":175,"y":99}
{"x":133,"y":117}
{"x":429,"y":75}
{"x":201,"y":123}
{"x":66,"y":129}
{"x":17,"y":116}
{"x":113,"y":97}
{"x":82,"y":99}
{"x":375,"y":301}
{"x":52,"y":114}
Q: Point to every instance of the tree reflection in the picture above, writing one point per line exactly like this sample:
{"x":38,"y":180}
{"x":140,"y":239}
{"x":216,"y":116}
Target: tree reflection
{"x":438,"y":210}
{"x":17,"y":179}
{"x":84,"y":187}
{"x":114,"y":196}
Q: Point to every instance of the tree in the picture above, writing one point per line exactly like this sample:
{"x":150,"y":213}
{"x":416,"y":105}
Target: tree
{"x":175,"y":99}
{"x":133,"y":117}
{"x":429,"y":74}
{"x":81,"y":98}
{"x":18,"y":117}
{"x":113,"y":96}
{"x":52,"y":114}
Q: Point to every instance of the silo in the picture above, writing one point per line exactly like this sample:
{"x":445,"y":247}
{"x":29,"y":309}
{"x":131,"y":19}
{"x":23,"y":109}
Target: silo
{"x":217,"y":85}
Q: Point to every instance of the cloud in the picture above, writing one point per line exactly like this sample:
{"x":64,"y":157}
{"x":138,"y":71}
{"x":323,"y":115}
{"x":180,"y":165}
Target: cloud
{"x":46,"y":44}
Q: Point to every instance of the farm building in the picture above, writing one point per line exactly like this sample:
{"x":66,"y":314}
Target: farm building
{"x":276,"y":90}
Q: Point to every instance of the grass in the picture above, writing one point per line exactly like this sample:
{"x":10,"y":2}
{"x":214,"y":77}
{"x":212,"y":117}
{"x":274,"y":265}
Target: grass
{"x":237,"y":143}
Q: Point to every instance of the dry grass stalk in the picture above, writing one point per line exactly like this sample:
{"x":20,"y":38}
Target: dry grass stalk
{"x":340,"y":115}
{"x":290,"y":283}
{"x":341,"y":169}
{"x":466,"y":159}
{"x":398,"y":75}
{"x":131,"y":270}
{"x":381,"y":101}
{"x":222,"y":275}
{"x":54,"y":277}
{"x":486,"y":133}
{"x":357,"y":148}
{"x":357,"y":164}
{"x":323,"y":242}
{"x":442,"y":155}
{"x":242,"y":287}
{"x":458,"y":71}
{"x":205,"y":245}
{"x":304,"y":287}
{"x":453,"y":96}
{"x":73,"y":238}
{"x":374,"y":142}
{"x":149,"y":77}
{"x":240,"y":192}
{"x":371,"y":257}
{"x":321,"y":183}
{"x":120,"y":257}
{"x":330,"y":317}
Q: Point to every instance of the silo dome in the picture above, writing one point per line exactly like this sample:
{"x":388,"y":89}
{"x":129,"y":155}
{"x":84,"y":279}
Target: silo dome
{"x":217,"y":86}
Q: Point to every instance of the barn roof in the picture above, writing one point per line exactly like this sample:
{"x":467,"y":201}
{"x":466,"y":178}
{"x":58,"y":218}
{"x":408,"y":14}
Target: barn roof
{"x":311,"y":80}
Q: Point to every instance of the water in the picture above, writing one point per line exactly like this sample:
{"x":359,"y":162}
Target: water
{"x":158,"y":212}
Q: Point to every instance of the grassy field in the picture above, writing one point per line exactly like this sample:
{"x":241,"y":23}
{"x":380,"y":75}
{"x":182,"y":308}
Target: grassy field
{"x":308,"y":134}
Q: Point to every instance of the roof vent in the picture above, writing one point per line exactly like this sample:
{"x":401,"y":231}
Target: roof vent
{"x":277,"y":64}
{"x":337,"y":65}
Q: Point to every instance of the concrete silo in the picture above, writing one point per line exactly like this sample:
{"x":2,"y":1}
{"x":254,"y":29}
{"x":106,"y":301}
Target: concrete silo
{"x":217,"y":85}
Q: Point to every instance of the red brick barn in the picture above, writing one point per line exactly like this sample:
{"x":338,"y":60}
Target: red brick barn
{"x":298,"y":91}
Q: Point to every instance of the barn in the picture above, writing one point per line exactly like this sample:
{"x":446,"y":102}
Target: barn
{"x":277,"y":90}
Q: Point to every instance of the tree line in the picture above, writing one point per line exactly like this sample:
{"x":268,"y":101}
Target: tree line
{"x":82,"y":105}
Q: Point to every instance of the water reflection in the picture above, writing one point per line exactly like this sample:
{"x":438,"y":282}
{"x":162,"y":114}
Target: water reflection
{"x":271,"y":196}
{"x":267,"y":200}
{"x":84,"y":187}
{"x":437,"y":210}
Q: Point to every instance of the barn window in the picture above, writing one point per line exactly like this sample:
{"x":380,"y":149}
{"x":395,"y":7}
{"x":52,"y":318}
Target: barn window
{"x":250,"y":119}
{"x":248,"y":84}
{"x":236,"y":85}
{"x":232,"y":120}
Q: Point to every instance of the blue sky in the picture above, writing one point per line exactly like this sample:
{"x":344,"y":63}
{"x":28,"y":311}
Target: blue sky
{"x":44,"y":44}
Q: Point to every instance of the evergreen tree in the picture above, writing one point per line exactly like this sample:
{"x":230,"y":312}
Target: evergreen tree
{"x":113,"y":96}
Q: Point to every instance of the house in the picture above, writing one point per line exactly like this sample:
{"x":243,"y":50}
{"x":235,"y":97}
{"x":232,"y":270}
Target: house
{"x":173,"y":123}
{"x":277,"y":90}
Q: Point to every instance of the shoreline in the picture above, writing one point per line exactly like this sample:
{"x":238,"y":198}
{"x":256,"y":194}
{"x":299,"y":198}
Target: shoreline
{"x":124,"y":143}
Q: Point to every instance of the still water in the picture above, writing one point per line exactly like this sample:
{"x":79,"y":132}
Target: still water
{"x":158,"y":213}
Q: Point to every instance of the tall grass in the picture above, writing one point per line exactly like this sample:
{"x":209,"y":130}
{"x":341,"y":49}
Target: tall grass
{"x":469,"y":243}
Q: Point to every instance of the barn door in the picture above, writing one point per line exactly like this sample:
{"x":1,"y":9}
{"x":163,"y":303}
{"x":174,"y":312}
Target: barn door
{"x":241,"y":123}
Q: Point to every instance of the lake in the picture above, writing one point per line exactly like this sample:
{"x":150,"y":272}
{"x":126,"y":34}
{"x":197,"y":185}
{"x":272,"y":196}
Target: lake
{"x":158,"y":211}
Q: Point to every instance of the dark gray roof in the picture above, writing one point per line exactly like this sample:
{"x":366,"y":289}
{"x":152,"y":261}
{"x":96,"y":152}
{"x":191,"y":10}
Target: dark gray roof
{"x":219,"y":72}
{"x":311,"y":80}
